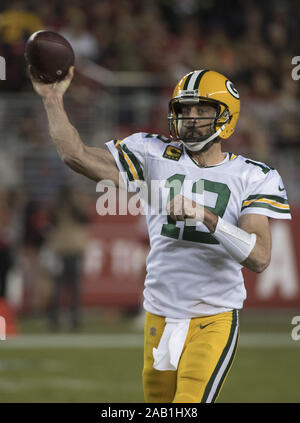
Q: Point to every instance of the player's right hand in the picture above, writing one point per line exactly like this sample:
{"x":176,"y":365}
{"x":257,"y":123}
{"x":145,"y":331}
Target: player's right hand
{"x":181,"y":208}
{"x":48,"y":90}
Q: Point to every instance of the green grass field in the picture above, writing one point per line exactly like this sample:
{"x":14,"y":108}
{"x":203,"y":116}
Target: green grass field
{"x":104,"y":363}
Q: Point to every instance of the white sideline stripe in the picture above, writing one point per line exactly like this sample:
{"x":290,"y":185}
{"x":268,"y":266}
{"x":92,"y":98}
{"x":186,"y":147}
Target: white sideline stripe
{"x":247,"y":340}
{"x":74,"y":341}
{"x":10,"y":386}
{"x":263,"y":340}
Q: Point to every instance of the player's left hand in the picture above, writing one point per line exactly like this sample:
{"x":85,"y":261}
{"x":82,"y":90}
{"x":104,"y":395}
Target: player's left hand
{"x":181,"y":208}
{"x":57,"y":88}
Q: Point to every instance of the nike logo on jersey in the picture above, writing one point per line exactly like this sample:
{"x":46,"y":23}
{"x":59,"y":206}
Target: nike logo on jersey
{"x":280,"y":189}
{"x":204,"y":326}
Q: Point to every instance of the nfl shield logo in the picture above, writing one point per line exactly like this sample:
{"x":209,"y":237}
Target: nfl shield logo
{"x":152,"y":331}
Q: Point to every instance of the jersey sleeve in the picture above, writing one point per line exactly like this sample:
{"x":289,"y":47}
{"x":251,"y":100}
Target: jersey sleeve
{"x":129,"y":155}
{"x":267,"y":195}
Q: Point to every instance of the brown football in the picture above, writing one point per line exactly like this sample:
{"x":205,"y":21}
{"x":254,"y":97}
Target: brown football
{"x":50,"y":56}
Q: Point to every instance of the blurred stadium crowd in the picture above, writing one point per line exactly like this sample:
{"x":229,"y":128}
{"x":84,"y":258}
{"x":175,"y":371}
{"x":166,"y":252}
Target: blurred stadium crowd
{"x":252,"y":42}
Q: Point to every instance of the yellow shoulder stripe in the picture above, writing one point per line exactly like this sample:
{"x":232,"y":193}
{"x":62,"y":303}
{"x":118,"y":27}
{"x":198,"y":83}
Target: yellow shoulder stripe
{"x":265,"y":200}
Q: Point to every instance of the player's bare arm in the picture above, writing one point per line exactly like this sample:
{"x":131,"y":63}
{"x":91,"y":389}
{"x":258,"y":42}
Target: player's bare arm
{"x":182,"y":208}
{"x":94,"y":163}
{"x":260,"y":256}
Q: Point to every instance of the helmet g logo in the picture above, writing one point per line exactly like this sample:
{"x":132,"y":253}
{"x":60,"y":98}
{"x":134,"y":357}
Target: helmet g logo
{"x":231,"y":88}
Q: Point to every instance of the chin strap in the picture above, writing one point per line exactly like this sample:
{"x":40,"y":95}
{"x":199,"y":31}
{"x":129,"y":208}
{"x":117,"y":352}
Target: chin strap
{"x":198,"y":145}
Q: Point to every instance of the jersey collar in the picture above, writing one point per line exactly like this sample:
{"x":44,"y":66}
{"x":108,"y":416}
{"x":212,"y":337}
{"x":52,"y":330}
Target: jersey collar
{"x":226,"y":159}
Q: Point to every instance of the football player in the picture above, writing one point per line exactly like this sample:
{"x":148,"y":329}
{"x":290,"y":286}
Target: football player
{"x":218,"y":209}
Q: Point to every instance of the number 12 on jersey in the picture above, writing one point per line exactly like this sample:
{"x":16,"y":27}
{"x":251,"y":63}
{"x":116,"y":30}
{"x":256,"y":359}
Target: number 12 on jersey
{"x":174,"y":184}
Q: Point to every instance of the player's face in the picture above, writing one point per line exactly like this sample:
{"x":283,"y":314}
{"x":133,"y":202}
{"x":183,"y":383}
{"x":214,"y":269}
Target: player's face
{"x":200,"y":123}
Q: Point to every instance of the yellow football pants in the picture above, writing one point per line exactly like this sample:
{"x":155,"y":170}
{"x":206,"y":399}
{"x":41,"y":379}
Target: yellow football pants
{"x":206,"y":359}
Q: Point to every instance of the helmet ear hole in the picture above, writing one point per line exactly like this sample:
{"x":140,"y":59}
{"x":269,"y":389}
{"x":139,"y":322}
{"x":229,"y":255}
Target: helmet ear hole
{"x":225,"y":117}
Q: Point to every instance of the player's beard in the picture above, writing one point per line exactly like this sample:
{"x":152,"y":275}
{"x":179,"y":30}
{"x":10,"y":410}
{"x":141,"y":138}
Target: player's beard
{"x":194,"y":136}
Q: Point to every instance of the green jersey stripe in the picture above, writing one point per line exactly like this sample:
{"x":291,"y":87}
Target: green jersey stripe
{"x":126,"y":167}
{"x":160,"y":137}
{"x":266,"y":206}
{"x":124,"y":164}
{"x":134,"y":161}
{"x":268,"y":197}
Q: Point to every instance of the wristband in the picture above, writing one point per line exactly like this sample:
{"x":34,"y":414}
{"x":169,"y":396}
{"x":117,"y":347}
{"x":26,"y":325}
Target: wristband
{"x":237,"y":242}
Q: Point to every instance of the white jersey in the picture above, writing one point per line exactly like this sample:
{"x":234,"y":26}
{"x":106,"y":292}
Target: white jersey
{"x":189,"y":273}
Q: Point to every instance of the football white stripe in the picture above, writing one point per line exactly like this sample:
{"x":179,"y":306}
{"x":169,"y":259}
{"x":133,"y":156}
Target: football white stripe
{"x":224,"y":365}
{"x":193,"y":79}
{"x":32,"y":37}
